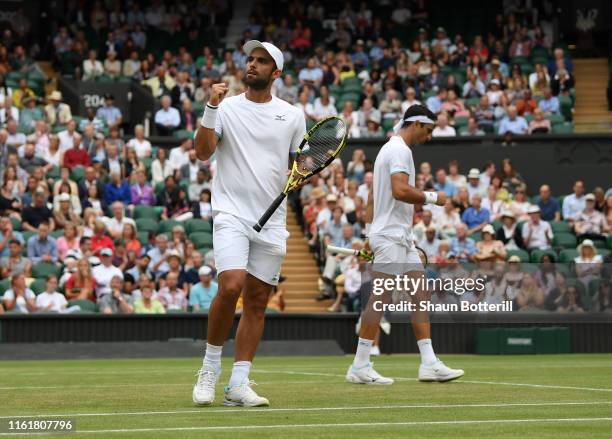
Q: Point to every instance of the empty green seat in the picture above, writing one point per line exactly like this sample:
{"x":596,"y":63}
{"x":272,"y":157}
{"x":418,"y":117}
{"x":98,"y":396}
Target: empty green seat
{"x":84,"y":304}
{"x":38,"y":286}
{"x":44,"y":269}
{"x":16,"y":224}
{"x":167,"y":225}
{"x":5,"y":284}
{"x":143,"y":237}
{"x":560,"y":227}
{"x":520,"y":253}
{"x":198,"y":225}
{"x":568,"y":255}
{"x":201,"y":239}
{"x":565,"y":240}
{"x":563,"y":128}
{"x":183,"y":134}
{"x":145,"y":212}
{"x":146,"y":225}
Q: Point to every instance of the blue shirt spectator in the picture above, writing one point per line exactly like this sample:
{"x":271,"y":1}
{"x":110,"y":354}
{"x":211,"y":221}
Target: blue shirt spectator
{"x":462,"y":246}
{"x":573,"y":205}
{"x":42,"y":247}
{"x":114,"y":192}
{"x":108,"y":112}
{"x":434,"y":103}
{"x":448,"y":188}
{"x":4,"y":252}
{"x":549,"y":104}
{"x":513,"y":123}
{"x":202,"y":294}
{"x":548,"y":207}
{"x":473,"y":217}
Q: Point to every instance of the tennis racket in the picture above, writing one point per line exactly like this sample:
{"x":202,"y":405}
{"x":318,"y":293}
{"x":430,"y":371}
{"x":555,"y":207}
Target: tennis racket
{"x":321,"y":145}
{"x":367,"y":255}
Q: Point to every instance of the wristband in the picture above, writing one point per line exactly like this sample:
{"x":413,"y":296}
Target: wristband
{"x":209,"y":117}
{"x":430,"y":197}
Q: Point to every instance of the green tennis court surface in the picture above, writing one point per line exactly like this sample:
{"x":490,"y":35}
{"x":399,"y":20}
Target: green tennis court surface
{"x":556,"y":396}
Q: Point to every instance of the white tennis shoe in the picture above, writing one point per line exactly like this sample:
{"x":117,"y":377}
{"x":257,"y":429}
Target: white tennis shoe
{"x":242,"y":395}
{"x":440,"y":372}
{"x":204,"y":389}
{"x":366,"y":375}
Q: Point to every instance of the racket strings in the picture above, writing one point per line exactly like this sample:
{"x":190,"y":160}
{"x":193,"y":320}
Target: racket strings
{"x":321,"y":145}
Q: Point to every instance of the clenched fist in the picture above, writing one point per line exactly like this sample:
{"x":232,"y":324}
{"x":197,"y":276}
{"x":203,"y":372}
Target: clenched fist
{"x":218,"y":93}
{"x":441,"y":199}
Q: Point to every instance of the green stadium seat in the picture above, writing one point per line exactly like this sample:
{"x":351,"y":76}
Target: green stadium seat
{"x":351,"y":81}
{"x":104,"y":79}
{"x":476,"y":236}
{"x":38,"y":286}
{"x":124,"y":80}
{"x":555,"y":118}
{"x":563,"y":128}
{"x":147,"y":225}
{"x":183,"y":134}
{"x":145,"y":212}
{"x":461,"y":121}
{"x":54,"y":172}
{"x":198,"y":225}
{"x":5,"y":284}
{"x":310,"y":124}
{"x":16,"y":224}
{"x":599,"y":244}
{"x":143,"y":237}
{"x":56,"y":233}
{"x":604,"y":252}
{"x":85,"y":305}
{"x":560,"y":226}
{"x":520,"y":253}
{"x":201,"y":239}
{"x":497,"y":224}
{"x":44,"y":269}
{"x":167,"y":225}
{"x":352,"y":88}
{"x":565,"y":240}
{"x":568,"y":255}
{"x":387,"y":124}
{"x":537,"y":255}
{"x":472,"y":102}
{"x":566,"y":103}
{"x":77,"y":173}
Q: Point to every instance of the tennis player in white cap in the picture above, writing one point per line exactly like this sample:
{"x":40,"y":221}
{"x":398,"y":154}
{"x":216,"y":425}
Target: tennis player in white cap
{"x":253,"y":136}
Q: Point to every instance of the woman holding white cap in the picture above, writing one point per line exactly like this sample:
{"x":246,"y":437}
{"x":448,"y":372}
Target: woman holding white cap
{"x":588,"y":262}
{"x":490,"y":249}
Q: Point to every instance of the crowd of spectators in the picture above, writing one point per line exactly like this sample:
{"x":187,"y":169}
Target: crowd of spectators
{"x":487,"y":226}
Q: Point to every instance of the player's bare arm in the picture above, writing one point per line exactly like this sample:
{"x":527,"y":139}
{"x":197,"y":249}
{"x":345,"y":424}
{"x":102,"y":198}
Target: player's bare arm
{"x":206,"y":138}
{"x":403,"y":191}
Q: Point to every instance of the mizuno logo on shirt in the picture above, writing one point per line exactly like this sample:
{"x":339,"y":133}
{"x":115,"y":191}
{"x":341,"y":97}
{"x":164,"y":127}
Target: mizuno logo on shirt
{"x":280,"y":117}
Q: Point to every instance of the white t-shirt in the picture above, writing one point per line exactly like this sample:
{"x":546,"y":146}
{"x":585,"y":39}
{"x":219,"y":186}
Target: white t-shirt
{"x":255,"y":141}
{"x":448,"y":131}
{"x":392,"y":218}
{"x":117,"y":226}
{"x":57,"y":300}
{"x":322,"y":111}
{"x":538,"y":235}
{"x":141,"y":148}
{"x":103,"y":276}
{"x":66,"y":140}
{"x":21,"y":300}
{"x":178,"y":157}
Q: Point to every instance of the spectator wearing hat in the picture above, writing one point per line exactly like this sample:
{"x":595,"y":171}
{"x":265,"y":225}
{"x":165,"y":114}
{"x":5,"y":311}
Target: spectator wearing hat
{"x":590,"y":223}
{"x":462,"y":246}
{"x":476,"y":216}
{"x":57,"y":113}
{"x":148,"y":303}
{"x":575,"y":203}
{"x":202,"y":293}
{"x":109,"y":112}
{"x":513,"y":123}
{"x":475,"y":185}
{"x":175,"y":259}
{"x":549,"y":205}
{"x":588,"y":262}
{"x":104,"y":273}
{"x":489,"y":248}
{"x":537,"y":234}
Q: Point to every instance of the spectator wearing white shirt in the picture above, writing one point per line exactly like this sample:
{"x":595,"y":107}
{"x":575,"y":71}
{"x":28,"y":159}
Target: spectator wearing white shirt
{"x":513,"y":123}
{"x":8,"y":111}
{"x":430,"y":243}
{"x":443,"y":129}
{"x":92,"y":67}
{"x":474,"y":185}
{"x":324,"y":105}
{"x":115,"y":224}
{"x":50,"y":300}
{"x":304,"y":105}
{"x":167,"y":118}
{"x":179,"y":156}
{"x":141,"y":145}
{"x":311,"y":74}
{"x":410,"y":99}
{"x":15,"y":139}
{"x":590,"y":223}
{"x":104,"y":273}
{"x":67,"y":136}
{"x":537,"y":234}
{"x":364,"y":189}
{"x":19,"y":297}
{"x":575,"y":203}
{"x":492,"y":204}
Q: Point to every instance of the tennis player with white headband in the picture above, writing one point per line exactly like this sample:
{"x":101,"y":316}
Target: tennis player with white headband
{"x":390,"y":208}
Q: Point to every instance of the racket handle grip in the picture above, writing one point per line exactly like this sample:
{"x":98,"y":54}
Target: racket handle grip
{"x":266,"y":216}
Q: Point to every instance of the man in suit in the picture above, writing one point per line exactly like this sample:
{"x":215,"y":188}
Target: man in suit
{"x":56,"y":111}
{"x":189,"y":171}
{"x":90,"y":179}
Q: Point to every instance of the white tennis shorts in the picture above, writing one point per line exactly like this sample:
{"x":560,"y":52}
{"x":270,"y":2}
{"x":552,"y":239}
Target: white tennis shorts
{"x":238,"y":247}
{"x":394,"y":255}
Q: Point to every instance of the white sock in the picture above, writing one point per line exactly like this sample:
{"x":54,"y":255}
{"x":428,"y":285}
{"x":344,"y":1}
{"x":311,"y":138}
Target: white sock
{"x":362,"y":356}
{"x":240,"y":372}
{"x":212,"y":357}
{"x":428,"y":357}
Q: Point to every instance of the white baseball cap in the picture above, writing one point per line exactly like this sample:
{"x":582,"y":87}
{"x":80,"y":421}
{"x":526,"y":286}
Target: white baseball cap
{"x":274,"y":51}
{"x":205,"y":270}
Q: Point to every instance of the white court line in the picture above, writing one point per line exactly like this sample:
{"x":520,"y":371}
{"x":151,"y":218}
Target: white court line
{"x":114,"y":386}
{"x":497,"y":383}
{"x":228,"y":410}
{"x":357,"y":424}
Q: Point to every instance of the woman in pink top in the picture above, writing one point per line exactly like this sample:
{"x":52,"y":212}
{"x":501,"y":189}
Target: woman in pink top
{"x":69,"y":241}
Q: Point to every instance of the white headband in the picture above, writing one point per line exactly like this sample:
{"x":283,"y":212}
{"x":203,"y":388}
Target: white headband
{"x":418,"y":118}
